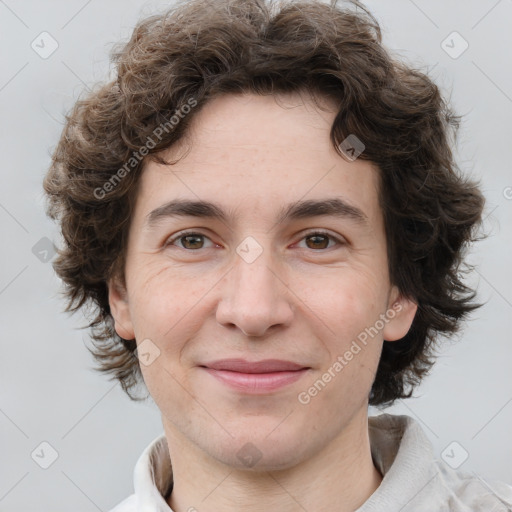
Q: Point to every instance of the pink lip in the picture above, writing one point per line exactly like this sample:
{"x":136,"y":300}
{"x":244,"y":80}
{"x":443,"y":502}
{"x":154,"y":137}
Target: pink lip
{"x":255,"y":377}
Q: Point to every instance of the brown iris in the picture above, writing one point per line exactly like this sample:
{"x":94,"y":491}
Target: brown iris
{"x":192,"y":241}
{"x":319,"y":241}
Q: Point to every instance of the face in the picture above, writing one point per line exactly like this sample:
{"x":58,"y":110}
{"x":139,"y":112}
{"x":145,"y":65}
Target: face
{"x":262,"y":243}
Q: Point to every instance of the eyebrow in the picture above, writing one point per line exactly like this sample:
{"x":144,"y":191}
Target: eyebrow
{"x":334,"y":207}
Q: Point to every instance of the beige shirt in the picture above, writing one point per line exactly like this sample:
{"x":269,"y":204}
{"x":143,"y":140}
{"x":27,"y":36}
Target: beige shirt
{"x":414,"y":480}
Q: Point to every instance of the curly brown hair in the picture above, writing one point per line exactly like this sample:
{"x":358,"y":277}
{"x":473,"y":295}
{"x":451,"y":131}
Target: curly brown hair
{"x":204,"y":48}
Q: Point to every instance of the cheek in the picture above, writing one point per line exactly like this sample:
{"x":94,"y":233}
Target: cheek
{"x":346,"y":310}
{"x":346,"y":303}
{"x":165,"y":309}
{"x":161,"y":299}
{"x":169,"y":306}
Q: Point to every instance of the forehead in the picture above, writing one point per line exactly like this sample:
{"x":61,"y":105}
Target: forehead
{"x":255,"y":153}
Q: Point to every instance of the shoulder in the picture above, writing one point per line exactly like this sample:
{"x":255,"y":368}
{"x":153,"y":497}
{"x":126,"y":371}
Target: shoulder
{"x":416,"y":479}
{"x":464,"y":491}
{"x":127,"y":505}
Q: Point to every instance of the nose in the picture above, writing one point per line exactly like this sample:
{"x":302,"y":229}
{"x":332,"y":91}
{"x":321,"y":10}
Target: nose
{"x":254,"y":298}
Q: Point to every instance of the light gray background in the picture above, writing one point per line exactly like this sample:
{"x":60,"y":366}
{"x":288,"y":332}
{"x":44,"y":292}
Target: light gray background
{"x":49,"y":392}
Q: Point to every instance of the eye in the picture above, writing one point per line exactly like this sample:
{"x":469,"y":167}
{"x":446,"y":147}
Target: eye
{"x":190,"y":240}
{"x":318,"y":240}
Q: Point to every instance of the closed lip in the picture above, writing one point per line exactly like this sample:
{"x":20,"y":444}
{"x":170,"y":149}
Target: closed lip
{"x":263,"y":366}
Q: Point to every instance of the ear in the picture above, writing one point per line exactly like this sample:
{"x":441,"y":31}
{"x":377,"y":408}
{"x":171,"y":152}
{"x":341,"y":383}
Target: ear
{"x":401,"y":312}
{"x":119,"y":308}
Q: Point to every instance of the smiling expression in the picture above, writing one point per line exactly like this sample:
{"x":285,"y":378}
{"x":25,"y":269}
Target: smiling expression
{"x":261,"y":243}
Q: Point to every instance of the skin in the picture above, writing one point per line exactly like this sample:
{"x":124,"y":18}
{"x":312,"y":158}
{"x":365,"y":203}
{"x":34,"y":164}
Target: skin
{"x":303,"y":299}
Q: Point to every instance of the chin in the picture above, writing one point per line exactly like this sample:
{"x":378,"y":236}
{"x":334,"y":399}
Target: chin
{"x":260,"y":452}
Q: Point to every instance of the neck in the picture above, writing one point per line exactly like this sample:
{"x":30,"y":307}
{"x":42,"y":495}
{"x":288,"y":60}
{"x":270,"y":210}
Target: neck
{"x":340,"y":477}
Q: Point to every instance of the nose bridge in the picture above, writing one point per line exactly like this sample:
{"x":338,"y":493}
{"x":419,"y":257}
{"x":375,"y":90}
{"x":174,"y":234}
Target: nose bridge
{"x":255,"y":299}
{"x":255,"y":278}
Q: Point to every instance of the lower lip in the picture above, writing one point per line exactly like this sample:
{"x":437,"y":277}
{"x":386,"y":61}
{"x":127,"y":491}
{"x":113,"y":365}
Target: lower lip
{"x":256,"y":382}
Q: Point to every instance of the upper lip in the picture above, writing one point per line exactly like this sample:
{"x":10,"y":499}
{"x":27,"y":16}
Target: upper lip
{"x":264,"y":366}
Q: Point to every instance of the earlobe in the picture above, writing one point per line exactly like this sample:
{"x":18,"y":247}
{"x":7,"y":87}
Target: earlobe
{"x":119,"y":308}
{"x":401,"y":314}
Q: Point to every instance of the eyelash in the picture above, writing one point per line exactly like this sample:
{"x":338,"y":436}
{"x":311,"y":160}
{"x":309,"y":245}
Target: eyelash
{"x":183,"y":234}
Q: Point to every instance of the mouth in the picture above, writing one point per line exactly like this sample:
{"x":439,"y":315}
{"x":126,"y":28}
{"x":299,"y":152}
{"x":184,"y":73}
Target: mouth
{"x":256,"y":377}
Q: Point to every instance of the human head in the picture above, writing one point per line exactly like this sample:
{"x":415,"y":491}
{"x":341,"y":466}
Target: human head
{"x":204,"y":49}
